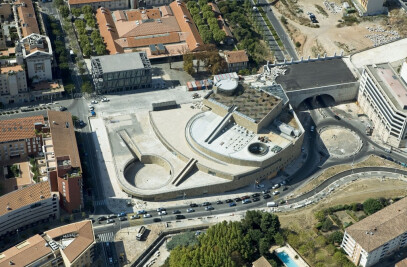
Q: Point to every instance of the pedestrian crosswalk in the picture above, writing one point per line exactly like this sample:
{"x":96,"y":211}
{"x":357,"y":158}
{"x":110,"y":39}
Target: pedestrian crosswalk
{"x":99,"y":202}
{"x":106,"y":237}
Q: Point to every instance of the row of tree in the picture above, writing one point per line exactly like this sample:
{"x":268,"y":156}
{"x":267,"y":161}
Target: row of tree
{"x":94,"y":44}
{"x":206,"y":22}
{"x":231,"y":243}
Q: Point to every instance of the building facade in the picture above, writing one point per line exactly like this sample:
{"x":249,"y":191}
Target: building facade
{"x":377,"y":236}
{"x":35,"y":51}
{"x":62,"y":160}
{"x":121,"y":72}
{"x":68,"y":245}
{"x":382,"y":96}
{"x":20,"y":137}
{"x":13,"y":84}
{"x":236,"y":60}
{"x":27,"y":207}
{"x":403,"y":71}
{"x":369,"y":7}
{"x":110,"y":4}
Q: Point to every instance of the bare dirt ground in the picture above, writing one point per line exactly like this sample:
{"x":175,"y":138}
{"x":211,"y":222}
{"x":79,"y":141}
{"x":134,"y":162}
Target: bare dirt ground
{"x":329,"y":38}
{"x":358,"y":191}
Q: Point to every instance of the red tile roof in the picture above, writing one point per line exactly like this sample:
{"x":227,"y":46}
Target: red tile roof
{"x":108,"y":30}
{"x":17,"y":129}
{"x":27,"y":17}
{"x":236,"y":56}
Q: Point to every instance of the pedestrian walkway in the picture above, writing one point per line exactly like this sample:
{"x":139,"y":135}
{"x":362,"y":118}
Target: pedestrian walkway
{"x":102,"y":202}
{"x":106,"y":237}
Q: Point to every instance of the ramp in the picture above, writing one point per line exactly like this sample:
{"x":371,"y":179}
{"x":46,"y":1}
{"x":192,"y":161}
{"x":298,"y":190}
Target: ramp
{"x":221,"y":125}
{"x":129,"y":143}
{"x":183,"y":173}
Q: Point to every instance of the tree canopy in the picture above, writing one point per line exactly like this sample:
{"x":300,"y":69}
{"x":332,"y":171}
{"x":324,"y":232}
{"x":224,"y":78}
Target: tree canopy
{"x":371,"y":205}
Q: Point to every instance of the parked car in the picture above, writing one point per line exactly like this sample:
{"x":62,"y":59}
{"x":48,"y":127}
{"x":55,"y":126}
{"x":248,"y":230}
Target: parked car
{"x":244,"y":197}
{"x":232,"y":204}
{"x":246,"y":201}
{"x":219,"y":202}
{"x":132,"y":217}
{"x":237,"y":199}
{"x":276,"y":186}
{"x":147,"y":215}
{"x":160,"y":209}
{"x":193,"y":205}
{"x":228,"y":200}
{"x":141,"y":212}
{"x":123,"y":219}
{"x":121,"y":214}
{"x":156,"y":220}
{"x":161,"y":213}
{"x":94,"y":102}
{"x":110,"y":221}
{"x":206,"y":204}
{"x":190,"y":210}
{"x":275,"y":193}
{"x":176,"y":212}
{"x":255,"y":199}
{"x":111,"y":216}
{"x":179,"y":217}
{"x":265,"y":191}
{"x":255,"y":195}
{"x":62,"y":108}
{"x":102,"y":218}
{"x":207,"y":208}
{"x":266,"y":196}
{"x":105,"y":99}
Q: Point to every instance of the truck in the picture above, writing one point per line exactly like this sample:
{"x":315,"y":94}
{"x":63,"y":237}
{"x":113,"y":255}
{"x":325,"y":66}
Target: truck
{"x":140,"y":233}
{"x":272,"y":204}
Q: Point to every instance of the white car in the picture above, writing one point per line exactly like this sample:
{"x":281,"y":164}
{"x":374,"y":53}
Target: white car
{"x":275,"y":193}
{"x":91,"y":108}
{"x":110,"y":221}
{"x":147,"y":215}
{"x":105,"y":99}
{"x":132,"y":217}
{"x":94,"y":102}
{"x":163,"y":212}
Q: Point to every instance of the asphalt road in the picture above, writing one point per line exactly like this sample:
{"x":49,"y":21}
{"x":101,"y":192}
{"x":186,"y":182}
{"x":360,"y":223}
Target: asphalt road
{"x":288,"y":45}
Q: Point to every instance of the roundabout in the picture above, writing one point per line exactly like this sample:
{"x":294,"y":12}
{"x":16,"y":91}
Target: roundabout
{"x":340,"y":142}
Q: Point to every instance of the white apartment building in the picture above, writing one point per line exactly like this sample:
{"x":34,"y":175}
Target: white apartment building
{"x":377,"y":236}
{"x":36,"y":52}
{"x":13,"y":84}
{"x":370,"y":7}
{"x":383,"y":97}
{"x":27,"y":207}
{"x":403,"y":71}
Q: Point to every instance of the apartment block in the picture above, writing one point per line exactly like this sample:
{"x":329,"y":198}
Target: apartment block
{"x":35,"y":51}
{"x":95,"y":4}
{"x":13,"y":84}
{"x":121,"y":72}
{"x":63,"y":162}
{"x":383,"y":97}
{"x":377,"y":236}
{"x":68,"y":245}
{"x":20,"y":137}
{"x":26,"y":17}
{"x":27,"y":207}
{"x":369,"y":7}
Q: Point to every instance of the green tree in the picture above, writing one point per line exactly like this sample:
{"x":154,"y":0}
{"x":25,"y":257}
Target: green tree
{"x":320,"y":215}
{"x":91,"y":22}
{"x":327,"y":225}
{"x":87,"y":9}
{"x":207,"y":14}
{"x":87,"y":50}
{"x":371,"y":205}
{"x":100,"y":50}
{"x":219,"y":36}
{"x":205,"y":8}
{"x":86,"y":87}
{"x":69,"y":88}
{"x":335,"y":237}
{"x":264,"y":246}
{"x":64,"y":10}
{"x":189,"y":68}
{"x":284,"y":20}
{"x":76,"y":12}
{"x":58,"y":3}
{"x":187,"y":239}
{"x":279,"y":239}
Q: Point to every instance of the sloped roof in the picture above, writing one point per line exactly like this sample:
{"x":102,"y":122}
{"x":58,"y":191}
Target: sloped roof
{"x":108,"y":30}
{"x":25,"y":196}
{"x":129,"y":42}
{"x":131,"y":29}
{"x":187,"y":25}
{"x":79,"y":2}
{"x":380,"y":227}
{"x":236,"y":56}
{"x":85,"y":237}
{"x":27,"y":17}
{"x":20,"y":128}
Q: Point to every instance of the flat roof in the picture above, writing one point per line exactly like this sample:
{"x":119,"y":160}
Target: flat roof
{"x":120,"y":62}
{"x":390,"y":82}
{"x":315,"y":74}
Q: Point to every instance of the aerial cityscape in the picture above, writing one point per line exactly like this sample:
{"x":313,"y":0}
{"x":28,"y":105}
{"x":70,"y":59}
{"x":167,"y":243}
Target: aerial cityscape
{"x":174,"y":133}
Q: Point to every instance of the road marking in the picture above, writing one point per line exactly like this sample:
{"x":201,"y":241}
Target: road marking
{"x":100,"y":202}
{"x":106,"y":237}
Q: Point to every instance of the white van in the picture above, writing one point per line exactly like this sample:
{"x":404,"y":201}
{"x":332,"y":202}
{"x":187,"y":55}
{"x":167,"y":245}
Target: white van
{"x":272,"y":204}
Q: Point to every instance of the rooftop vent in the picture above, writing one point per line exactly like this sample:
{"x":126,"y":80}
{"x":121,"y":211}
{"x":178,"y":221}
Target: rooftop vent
{"x":8,"y":207}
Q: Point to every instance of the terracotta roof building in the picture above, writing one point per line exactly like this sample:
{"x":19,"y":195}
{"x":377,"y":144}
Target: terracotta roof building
{"x":95,"y":4}
{"x":236,"y":60}
{"x":402,"y":263}
{"x":19,"y":138}
{"x":68,"y":245}
{"x":28,"y":206}
{"x":27,"y":19}
{"x":158,"y":32}
{"x":62,"y":160}
{"x":13,"y":84}
{"x":222,"y":24}
{"x":261,"y":262}
{"x":377,"y":236}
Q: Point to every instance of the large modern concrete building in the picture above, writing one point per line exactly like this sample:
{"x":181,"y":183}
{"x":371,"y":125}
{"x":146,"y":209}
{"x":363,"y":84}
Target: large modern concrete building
{"x":377,"y":236}
{"x":68,"y":245}
{"x":383,"y":97}
{"x":29,"y":206}
{"x":35,"y":51}
{"x":121,"y":72}
{"x":241,"y":136}
{"x":369,"y":7}
{"x":13,"y":84}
